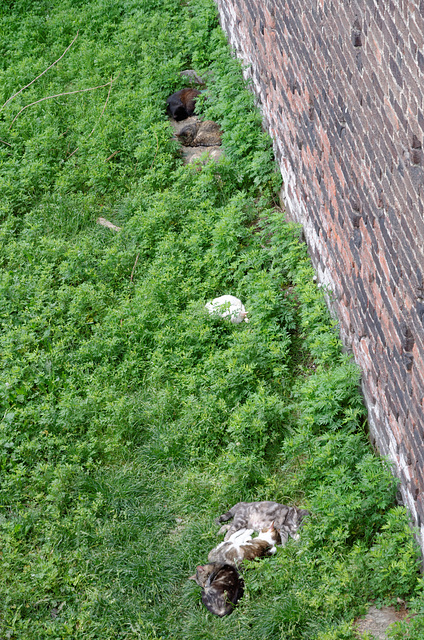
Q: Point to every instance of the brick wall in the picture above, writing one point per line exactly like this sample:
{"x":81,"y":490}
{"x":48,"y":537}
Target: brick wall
{"x":341,"y":86}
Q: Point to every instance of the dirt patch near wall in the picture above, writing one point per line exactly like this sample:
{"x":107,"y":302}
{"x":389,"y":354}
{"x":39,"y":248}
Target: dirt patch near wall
{"x":378,"y":621}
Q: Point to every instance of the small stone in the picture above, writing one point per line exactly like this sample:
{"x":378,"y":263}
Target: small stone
{"x":191,"y":75}
{"x":105,"y":223}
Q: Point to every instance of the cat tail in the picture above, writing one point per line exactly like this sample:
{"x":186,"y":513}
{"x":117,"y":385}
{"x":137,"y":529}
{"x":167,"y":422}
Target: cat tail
{"x":227,"y":516}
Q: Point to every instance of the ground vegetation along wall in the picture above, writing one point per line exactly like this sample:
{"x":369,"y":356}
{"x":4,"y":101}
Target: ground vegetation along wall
{"x":341,"y":88}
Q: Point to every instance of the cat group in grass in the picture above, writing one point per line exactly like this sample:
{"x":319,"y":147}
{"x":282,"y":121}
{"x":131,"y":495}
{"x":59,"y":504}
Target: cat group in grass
{"x":220,"y":580}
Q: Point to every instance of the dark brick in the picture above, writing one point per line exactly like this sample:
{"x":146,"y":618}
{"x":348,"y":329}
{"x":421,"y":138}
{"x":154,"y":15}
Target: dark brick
{"x":396,"y":71}
{"x":392,"y":28}
{"x":377,"y":86}
{"x":408,"y":360}
{"x":394,"y":407}
{"x":420,"y":311}
{"x":400,"y":114}
{"x":252,"y":11}
{"x":361,"y":295}
{"x":397,"y":388}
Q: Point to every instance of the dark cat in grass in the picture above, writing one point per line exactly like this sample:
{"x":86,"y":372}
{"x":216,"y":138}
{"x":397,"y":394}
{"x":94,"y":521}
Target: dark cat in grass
{"x":241,"y":546}
{"x":222,"y":587}
{"x":182,"y":104}
{"x":261,"y":515}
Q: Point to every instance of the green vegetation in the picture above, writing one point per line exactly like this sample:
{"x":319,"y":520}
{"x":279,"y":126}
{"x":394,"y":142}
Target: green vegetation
{"x":130,"y":419}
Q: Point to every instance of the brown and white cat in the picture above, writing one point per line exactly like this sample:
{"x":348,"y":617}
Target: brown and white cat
{"x":222,"y":587}
{"x":241,"y":546}
{"x":260,"y":515}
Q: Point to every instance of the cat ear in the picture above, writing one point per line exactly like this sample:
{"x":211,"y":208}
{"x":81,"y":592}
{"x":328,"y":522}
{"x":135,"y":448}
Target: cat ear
{"x":195,"y":575}
{"x":271,"y":527}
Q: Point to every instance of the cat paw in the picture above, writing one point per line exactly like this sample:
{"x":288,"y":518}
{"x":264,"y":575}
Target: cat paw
{"x":223,"y":529}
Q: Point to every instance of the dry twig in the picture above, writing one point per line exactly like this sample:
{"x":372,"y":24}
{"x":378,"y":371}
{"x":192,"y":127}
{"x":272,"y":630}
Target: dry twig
{"x":112,"y":155}
{"x":41,"y":74}
{"x":66,"y":93}
{"x":101,"y":115}
{"x":4,"y":142}
{"x":133,"y":269}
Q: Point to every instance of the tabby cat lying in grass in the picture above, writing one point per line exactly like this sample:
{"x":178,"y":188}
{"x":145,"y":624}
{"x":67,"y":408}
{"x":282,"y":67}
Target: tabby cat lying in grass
{"x":261,"y":515}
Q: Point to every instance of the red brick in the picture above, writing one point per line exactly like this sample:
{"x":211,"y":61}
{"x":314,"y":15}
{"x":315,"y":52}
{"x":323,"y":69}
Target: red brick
{"x":368,"y":156}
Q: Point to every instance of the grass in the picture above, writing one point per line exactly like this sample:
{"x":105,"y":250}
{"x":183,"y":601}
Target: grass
{"x":130,"y":418}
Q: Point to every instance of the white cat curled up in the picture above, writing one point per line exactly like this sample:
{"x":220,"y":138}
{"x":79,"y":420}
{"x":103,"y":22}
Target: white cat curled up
{"x":228,"y":307}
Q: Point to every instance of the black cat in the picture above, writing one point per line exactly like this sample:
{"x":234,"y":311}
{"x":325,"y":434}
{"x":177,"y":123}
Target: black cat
{"x":181,"y":104}
{"x":222,"y":587}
